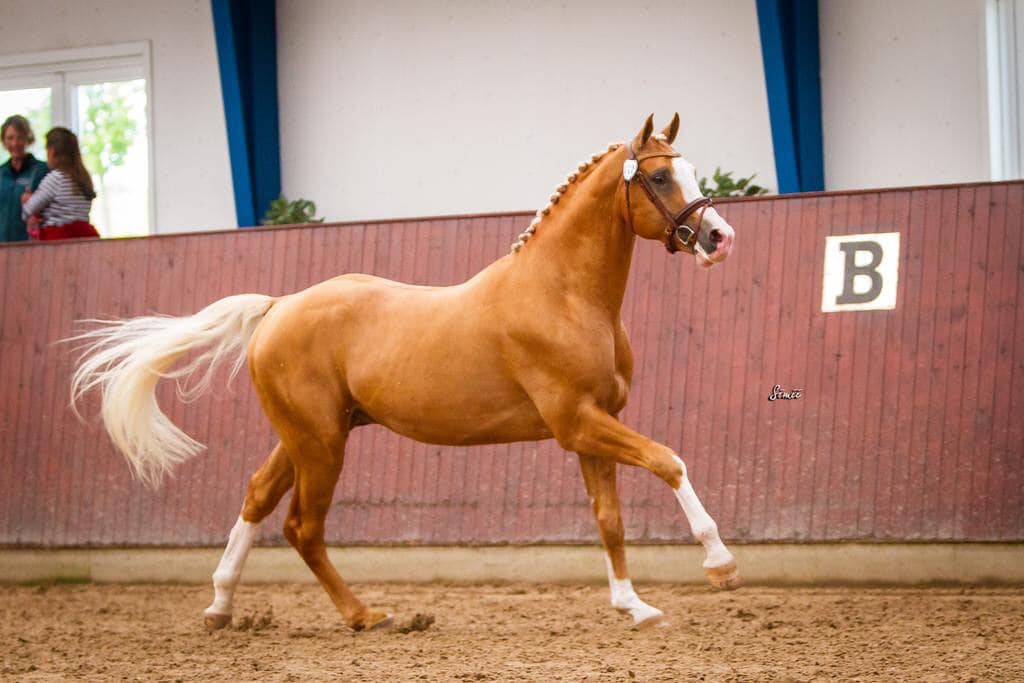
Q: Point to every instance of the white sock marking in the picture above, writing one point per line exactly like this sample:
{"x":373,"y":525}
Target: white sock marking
{"x":625,"y":598}
{"x":229,"y":570}
{"x":702,"y":526}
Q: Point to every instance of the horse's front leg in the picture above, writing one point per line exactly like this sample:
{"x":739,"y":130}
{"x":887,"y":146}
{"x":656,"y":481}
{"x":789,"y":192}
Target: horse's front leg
{"x":586,"y":428}
{"x":599,"y":476}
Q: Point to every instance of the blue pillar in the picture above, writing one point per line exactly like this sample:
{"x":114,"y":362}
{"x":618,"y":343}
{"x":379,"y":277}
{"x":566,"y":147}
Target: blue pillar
{"x":792,"y":72}
{"x":246,"y":35}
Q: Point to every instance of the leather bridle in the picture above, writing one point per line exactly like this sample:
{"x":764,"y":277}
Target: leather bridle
{"x":675,"y":228}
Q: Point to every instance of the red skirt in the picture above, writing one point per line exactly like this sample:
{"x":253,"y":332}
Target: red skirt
{"x":68,"y":231}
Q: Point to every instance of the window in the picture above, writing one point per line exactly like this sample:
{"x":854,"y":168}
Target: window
{"x":1004,"y":22}
{"x":103,"y":95}
{"x":33,"y":103}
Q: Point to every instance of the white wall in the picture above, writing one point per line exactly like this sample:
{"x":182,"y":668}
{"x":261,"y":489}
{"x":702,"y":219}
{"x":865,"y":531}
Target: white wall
{"x":404,"y":108}
{"x":193,"y":173}
{"x":396,"y":108}
{"x":903,"y":92}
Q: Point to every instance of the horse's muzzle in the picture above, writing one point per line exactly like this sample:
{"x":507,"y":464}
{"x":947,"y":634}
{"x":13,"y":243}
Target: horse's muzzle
{"x":714,"y":243}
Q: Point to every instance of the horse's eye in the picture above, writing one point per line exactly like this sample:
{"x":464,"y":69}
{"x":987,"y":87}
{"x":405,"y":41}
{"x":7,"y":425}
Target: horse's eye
{"x":660,"y":178}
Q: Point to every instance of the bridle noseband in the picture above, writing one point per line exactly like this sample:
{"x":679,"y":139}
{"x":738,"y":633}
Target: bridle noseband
{"x":675,"y":225}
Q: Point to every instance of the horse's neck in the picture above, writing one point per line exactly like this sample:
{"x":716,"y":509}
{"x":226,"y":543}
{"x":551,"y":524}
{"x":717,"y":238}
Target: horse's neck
{"x":584,"y":247}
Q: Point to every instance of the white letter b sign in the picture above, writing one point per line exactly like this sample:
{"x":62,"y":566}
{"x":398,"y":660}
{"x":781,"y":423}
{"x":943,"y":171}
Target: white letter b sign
{"x":860,"y":272}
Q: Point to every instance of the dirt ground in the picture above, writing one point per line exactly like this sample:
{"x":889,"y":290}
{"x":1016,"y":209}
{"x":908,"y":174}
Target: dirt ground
{"x":513,"y":633}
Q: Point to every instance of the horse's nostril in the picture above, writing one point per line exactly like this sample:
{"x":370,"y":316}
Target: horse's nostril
{"x":717,"y":236}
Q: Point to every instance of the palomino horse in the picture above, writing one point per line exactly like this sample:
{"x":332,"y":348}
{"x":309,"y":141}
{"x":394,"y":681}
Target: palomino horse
{"x":530,"y":348}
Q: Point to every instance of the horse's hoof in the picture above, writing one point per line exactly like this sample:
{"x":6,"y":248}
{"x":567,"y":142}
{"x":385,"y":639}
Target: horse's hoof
{"x":655,"y":620}
{"x":724,"y":578}
{"x":216,"y":621}
{"x":644,"y":616}
{"x":384,"y":624}
{"x":375,"y":621}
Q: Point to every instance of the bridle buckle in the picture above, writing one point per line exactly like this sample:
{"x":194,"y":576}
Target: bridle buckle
{"x":691,"y":235}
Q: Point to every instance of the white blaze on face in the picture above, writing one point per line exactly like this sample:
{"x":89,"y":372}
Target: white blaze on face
{"x":686,"y":175}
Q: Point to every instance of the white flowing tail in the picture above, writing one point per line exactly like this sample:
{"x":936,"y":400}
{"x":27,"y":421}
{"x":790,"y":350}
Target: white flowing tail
{"x":126,"y":359}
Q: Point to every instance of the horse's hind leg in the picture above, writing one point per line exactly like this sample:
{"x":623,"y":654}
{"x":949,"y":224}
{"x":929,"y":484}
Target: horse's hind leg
{"x":266,"y":487}
{"x":317,"y":468}
{"x":599,"y":476}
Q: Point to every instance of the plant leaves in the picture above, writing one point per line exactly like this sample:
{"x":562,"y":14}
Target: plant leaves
{"x":284,"y":212}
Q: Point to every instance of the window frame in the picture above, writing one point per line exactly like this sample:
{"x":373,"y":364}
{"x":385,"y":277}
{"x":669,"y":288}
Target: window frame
{"x":1004,"y":38}
{"x":66,"y":69}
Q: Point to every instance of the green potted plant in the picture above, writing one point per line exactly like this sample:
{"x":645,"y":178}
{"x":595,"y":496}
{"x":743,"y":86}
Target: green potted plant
{"x":284,"y":212}
{"x":725,"y":186}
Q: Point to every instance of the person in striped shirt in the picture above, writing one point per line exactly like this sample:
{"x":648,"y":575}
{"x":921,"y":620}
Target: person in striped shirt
{"x":65,"y":196}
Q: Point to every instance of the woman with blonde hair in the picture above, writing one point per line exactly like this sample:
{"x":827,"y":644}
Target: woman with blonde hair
{"x":21,"y":173}
{"x":65,"y":196}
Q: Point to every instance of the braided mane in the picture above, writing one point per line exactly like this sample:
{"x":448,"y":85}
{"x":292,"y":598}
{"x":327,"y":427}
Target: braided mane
{"x":581,"y":168}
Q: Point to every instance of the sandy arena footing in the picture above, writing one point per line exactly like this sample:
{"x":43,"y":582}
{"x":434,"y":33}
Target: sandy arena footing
{"x":513,"y":632}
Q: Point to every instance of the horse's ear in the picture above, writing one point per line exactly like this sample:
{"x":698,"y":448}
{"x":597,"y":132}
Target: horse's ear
{"x":672,"y":129}
{"x":645,"y":133}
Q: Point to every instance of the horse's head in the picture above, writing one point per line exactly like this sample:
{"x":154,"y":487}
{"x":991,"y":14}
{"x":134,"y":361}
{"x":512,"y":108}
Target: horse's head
{"x":664,"y":201}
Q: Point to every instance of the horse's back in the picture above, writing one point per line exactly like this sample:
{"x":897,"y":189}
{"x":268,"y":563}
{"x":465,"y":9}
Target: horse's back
{"x":425,"y":361}
{"x":335,"y":313}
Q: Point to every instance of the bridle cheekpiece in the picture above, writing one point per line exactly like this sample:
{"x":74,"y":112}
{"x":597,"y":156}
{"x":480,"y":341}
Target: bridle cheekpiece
{"x":675,"y":226}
